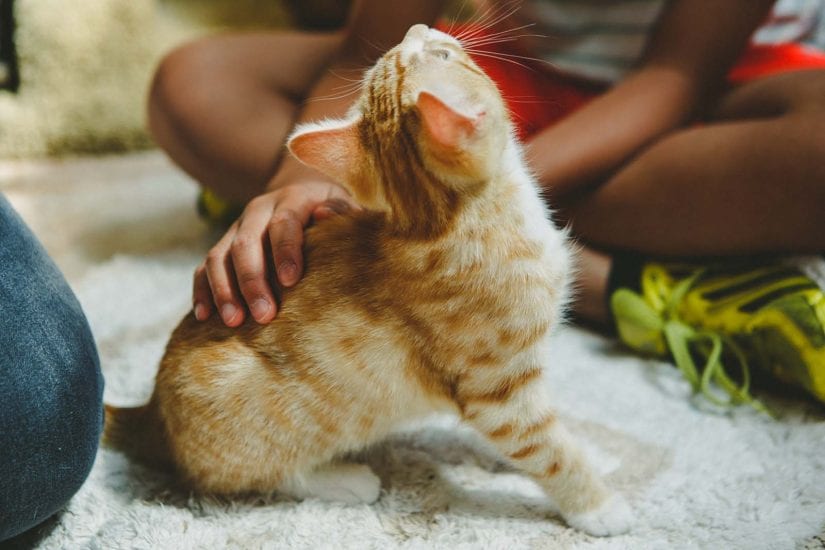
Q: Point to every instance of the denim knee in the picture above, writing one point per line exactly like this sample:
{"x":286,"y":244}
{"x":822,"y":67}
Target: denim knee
{"x":50,"y":383}
{"x":53,"y":420}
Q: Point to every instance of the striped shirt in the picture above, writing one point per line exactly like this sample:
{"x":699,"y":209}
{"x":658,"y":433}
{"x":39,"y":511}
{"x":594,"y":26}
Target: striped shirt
{"x":604,"y":39}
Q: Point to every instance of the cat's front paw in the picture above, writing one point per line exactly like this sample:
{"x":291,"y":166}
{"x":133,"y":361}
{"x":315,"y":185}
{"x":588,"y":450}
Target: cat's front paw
{"x":612,"y":517}
{"x":353,"y":484}
{"x":347,"y":483}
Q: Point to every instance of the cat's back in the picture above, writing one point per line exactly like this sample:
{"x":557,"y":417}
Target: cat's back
{"x":490,"y":287}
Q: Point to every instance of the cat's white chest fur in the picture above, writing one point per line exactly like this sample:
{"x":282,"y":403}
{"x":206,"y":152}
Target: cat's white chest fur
{"x":527,"y":255}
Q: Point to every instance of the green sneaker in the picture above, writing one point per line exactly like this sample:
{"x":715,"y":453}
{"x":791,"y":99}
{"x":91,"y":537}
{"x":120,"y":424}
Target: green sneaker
{"x":766,"y":317}
{"x":215,"y":210}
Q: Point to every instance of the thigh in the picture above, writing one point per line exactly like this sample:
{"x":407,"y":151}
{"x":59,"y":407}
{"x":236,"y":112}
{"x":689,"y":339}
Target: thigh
{"x":222,"y":106}
{"x":50,"y":383}
{"x":773,"y":96}
{"x":284,"y":62}
{"x":751,"y":180}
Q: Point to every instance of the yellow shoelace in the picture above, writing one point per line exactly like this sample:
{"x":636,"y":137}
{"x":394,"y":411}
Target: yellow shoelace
{"x":685,"y":342}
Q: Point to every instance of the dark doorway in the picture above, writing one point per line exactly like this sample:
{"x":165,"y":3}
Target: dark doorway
{"x":9,"y":75}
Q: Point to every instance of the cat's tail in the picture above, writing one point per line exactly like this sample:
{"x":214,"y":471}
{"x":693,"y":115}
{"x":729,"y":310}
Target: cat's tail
{"x":139,"y":433}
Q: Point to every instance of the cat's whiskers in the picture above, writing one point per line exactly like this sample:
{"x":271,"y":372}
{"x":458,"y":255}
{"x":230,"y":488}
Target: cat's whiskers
{"x":470,"y":28}
{"x":488,"y":19}
{"x":527,"y":99}
{"x":359,"y":71}
{"x":506,"y":58}
{"x":341,"y":95}
{"x":352,"y":87}
{"x":503,"y":55}
{"x":508,"y":9}
{"x":379,"y":48}
{"x":494,"y":37}
{"x":457,"y":17}
{"x":502,"y":40}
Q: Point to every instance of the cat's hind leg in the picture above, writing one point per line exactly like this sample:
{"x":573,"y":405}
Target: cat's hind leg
{"x":337,"y":482}
{"x":516,"y":419}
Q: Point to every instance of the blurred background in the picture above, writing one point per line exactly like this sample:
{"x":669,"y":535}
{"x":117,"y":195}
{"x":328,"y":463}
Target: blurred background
{"x":74,"y":74}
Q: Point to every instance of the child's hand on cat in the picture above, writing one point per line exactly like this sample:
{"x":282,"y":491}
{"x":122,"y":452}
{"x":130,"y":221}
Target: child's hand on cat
{"x":235,"y":274}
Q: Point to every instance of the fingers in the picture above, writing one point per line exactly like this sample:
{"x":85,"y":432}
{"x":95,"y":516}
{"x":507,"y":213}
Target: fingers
{"x":201,"y":294}
{"x":236,"y":272}
{"x":286,"y":234}
{"x":219,"y":275}
{"x":286,"y":231}
{"x":249,"y":260}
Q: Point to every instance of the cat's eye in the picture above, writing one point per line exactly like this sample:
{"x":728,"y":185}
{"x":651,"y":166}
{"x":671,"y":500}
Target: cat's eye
{"x":441,"y":53}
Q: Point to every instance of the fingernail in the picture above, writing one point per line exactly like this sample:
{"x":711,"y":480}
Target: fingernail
{"x":200,"y":312}
{"x":259,"y":308}
{"x":287,"y":272}
{"x":228,"y":312}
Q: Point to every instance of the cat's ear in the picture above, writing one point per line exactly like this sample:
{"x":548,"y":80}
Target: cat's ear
{"x":446,"y":125}
{"x":330,"y":147}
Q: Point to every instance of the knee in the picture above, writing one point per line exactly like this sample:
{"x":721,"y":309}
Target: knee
{"x":801,"y":94}
{"x":73,"y":410}
{"x":807,"y":120}
{"x":810,"y":90}
{"x":801,"y":126}
{"x":54,"y":409}
{"x":72,"y":416}
{"x":185,"y":87}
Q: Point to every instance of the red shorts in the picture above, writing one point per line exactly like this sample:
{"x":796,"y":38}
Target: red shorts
{"x":538,"y":97}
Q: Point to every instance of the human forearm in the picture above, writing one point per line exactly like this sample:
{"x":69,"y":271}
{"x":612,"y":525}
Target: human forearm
{"x":325,"y":101}
{"x":330,"y":97}
{"x":593,"y":142}
{"x":688,"y":55}
{"x":373,"y":26}
{"x":236,"y":275}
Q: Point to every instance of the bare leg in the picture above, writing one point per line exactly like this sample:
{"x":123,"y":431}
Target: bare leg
{"x":591,"y":286}
{"x":752,"y":181}
{"x":223,"y":106}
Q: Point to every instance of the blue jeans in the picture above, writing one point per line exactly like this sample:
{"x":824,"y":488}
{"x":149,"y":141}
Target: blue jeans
{"x":50,"y":383}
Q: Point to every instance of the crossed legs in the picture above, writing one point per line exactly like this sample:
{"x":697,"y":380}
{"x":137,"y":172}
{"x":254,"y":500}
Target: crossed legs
{"x":751,"y":180}
{"x":222,"y":107}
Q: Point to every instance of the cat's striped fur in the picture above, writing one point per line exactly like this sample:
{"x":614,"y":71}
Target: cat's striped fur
{"x":438,"y":296}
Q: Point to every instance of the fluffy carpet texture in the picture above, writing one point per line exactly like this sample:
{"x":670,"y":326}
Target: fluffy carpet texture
{"x":697,"y":479}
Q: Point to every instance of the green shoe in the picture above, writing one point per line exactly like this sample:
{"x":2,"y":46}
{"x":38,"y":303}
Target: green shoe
{"x":766,"y":317}
{"x":217,"y":211}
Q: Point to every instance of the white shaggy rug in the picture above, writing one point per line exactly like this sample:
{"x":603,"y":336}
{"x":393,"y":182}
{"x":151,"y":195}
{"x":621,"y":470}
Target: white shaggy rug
{"x":125,"y":232}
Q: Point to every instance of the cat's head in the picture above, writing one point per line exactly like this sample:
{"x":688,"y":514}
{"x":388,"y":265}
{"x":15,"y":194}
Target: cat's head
{"x":429,"y":130}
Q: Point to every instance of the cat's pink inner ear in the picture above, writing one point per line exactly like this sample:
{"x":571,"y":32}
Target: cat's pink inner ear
{"x":331,"y":150}
{"x":444,"y":124}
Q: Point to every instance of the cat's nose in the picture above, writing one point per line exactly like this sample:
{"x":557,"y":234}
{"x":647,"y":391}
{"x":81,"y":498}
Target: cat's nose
{"x":417,"y":32}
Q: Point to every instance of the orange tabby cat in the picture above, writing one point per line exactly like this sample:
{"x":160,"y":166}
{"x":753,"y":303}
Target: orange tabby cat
{"x":438,"y":296}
